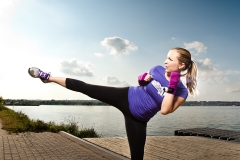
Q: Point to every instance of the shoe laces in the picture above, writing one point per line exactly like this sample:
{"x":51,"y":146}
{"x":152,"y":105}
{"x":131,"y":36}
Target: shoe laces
{"x":43,"y":75}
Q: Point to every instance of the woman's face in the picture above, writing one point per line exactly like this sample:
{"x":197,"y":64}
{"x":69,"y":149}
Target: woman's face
{"x":171,"y":63}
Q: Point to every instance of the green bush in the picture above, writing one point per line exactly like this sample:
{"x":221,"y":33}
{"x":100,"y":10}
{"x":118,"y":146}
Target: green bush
{"x":88,"y":133}
{"x":19,"y":122}
{"x":1,"y":101}
{"x":1,"y":104}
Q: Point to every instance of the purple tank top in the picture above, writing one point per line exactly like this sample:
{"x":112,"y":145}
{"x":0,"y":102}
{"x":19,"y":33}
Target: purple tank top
{"x":145,"y":101}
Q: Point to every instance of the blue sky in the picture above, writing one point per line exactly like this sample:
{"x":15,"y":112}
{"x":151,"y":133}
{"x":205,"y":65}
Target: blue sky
{"x":109,"y":42}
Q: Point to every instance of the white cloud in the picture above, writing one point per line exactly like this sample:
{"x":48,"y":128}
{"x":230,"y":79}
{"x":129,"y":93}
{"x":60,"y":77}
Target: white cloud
{"x":173,"y":38}
{"x":98,"y":54}
{"x":208,"y":68}
{"x":205,"y":65}
{"x":221,"y":79}
{"x":113,"y":81}
{"x":197,"y":46}
{"x":209,"y":72}
{"x":231,"y":72}
{"x":77,"y":68}
{"x":118,"y":46}
{"x":232,"y":90}
{"x":214,"y":79}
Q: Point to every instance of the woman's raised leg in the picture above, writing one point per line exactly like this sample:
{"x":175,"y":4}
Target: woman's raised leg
{"x":110,"y":95}
{"x":59,"y":80}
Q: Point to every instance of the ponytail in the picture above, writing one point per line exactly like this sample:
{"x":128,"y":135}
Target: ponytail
{"x":191,"y":79}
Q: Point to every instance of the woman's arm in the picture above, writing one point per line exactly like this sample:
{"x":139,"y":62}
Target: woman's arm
{"x":170,"y":103}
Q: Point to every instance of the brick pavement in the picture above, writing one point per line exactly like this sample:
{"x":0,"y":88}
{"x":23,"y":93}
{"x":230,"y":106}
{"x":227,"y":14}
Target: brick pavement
{"x":175,"y":148}
{"x":49,"y":146}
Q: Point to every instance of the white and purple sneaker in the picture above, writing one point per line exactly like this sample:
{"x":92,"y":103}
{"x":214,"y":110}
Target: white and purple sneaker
{"x":37,"y":73}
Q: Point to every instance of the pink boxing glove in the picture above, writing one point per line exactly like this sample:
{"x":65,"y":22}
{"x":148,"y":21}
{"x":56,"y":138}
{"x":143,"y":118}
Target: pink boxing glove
{"x":141,"y":78}
{"x":174,"y":79}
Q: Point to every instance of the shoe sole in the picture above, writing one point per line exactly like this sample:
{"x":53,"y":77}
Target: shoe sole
{"x":31,"y":73}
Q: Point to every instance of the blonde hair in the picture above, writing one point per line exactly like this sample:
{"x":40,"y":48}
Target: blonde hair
{"x":190,"y":68}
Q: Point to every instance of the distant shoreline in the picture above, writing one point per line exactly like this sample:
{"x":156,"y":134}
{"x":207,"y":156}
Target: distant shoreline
{"x":25,"y":102}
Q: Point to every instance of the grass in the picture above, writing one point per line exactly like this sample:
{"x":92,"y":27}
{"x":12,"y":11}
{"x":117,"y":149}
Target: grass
{"x":17,"y":122}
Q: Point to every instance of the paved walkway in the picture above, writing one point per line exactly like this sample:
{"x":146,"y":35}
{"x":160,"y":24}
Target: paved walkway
{"x":176,"y":148}
{"x":50,"y":146}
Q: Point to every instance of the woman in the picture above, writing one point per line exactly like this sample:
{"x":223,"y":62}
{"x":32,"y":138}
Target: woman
{"x":159,"y":90}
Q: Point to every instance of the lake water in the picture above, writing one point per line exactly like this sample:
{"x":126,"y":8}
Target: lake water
{"x":109,"y":122}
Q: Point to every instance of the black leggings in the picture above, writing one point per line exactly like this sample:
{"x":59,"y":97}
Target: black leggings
{"x":117,"y":97}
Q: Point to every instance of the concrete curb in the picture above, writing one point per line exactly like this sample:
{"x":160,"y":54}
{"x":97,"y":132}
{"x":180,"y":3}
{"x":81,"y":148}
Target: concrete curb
{"x":93,"y":147}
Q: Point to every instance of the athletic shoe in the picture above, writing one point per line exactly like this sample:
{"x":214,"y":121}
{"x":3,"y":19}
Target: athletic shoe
{"x":37,"y":73}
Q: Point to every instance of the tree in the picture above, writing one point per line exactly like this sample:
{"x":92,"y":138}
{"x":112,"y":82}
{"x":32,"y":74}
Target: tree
{"x":1,"y":101}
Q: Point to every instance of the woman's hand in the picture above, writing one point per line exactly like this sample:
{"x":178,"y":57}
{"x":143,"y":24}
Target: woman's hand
{"x":144,"y":79}
{"x":173,"y":82}
{"x":148,"y":77}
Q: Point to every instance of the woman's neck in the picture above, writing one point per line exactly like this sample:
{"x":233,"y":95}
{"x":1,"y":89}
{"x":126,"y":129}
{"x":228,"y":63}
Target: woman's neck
{"x":167,"y":75}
